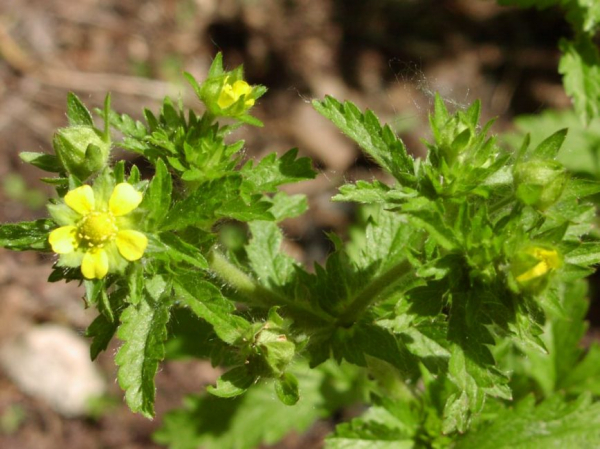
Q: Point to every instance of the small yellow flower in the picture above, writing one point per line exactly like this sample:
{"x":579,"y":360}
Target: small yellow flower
{"x":97,"y":229}
{"x":548,"y":260}
{"x":231,"y":93}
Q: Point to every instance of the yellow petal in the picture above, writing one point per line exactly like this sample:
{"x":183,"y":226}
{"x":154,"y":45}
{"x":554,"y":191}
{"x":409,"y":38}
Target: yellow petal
{"x":81,"y":199}
{"x":63,"y":240}
{"x":131,"y":244}
{"x":226,"y":97}
{"x":124,"y":199}
{"x":539,"y":270}
{"x":550,"y":256}
{"x":241,"y":87}
{"x":95,"y":264}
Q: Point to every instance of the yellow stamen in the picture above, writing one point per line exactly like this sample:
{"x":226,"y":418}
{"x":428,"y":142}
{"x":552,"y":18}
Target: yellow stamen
{"x":96,"y":229}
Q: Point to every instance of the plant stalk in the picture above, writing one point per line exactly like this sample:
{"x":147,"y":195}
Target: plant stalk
{"x":254,"y":293}
{"x":372,"y":293}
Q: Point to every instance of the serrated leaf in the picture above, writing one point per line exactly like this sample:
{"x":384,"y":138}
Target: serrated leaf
{"x":384,"y":241}
{"x":585,"y":254}
{"x":206,"y":301}
{"x":27,"y":235}
{"x":272,"y":172}
{"x":375,"y":341}
{"x":143,"y":331}
{"x":213,"y":200}
{"x":427,"y":214}
{"x":177,"y":250}
{"x":579,"y":151}
{"x":272,"y":267}
{"x":288,"y":206}
{"x":580,"y":67}
{"x":376,"y":140}
{"x":553,"y":423}
{"x":387,"y":424}
{"x":562,"y":333}
{"x":584,"y":377}
{"x":157,"y":197}
{"x":77,"y":113}
{"x":258,"y":416}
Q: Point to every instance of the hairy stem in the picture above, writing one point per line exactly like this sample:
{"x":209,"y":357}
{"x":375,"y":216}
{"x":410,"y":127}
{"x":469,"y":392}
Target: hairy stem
{"x":373,"y":292}
{"x":255,"y":293}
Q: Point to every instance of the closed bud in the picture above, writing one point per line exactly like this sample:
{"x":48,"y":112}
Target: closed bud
{"x":81,"y":150}
{"x":540,"y":183}
{"x":276,"y":350}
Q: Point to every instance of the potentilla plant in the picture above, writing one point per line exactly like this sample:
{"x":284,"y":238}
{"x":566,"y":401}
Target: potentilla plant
{"x":453,"y":313}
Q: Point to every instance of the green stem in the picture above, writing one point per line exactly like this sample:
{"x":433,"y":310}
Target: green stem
{"x":254,"y":293}
{"x":373,"y":292}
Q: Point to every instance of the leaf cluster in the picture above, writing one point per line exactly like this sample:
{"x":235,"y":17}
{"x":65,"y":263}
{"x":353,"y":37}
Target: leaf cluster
{"x":459,"y":293}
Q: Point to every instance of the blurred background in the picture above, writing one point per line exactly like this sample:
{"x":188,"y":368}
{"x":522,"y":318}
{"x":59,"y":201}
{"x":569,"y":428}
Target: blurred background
{"x":388,"y":55}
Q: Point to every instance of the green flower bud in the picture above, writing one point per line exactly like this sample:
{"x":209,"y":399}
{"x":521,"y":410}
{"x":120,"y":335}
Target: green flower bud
{"x":540,"y":183}
{"x":276,"y":350}
{"x":81,"y":150}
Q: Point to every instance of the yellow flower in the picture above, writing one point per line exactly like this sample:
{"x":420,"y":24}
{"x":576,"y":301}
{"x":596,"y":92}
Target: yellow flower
{"x":231,"y":93}
{"x":548,"y":260}
{"x":98,"y":228}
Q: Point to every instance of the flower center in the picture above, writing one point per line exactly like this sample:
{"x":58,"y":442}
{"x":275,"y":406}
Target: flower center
{"x":96,"y":229}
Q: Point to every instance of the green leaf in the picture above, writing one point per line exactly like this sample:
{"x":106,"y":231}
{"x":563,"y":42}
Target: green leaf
{"x":384,"y":242}
{"x":579,"y":151}
{"x":101,"y":331}
{"x":216,"y":199}
{"x":580,"y":67}
{"x":233,"y":383}
{"x":77,"y":113}
{"x":27,"y":235}
{"x":585,"y":254}
{"x":363,"y":192}
{"x":373,"y":192}
{"x":549,"y":148}
{"x":564,"y":328}
{"x":157,"y":198}
{"x":387,"y":424}
{"x":553,"y":423}
{"x":105,"y":113}
{"x":286,"y":389}
{"x":206,"y":301}
{"x":271,"y":266}
{"x":375,"y":341}
{"x":428,"y":215}
{"x":272,"y":172}
{"x":364,"y":128}
{"x":143,"y":331}
{"x":177,"y":250}
{"x":246,"y":421}
{"x":288,"y":206}
{"x":584,"y":377}
{"x":46,"y":162}
{"x":216,"y":68}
